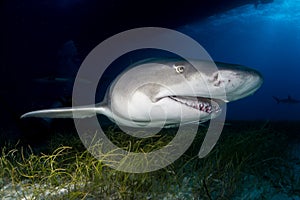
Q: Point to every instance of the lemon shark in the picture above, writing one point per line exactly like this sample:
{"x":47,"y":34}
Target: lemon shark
{"x":288,"y":100}
{"x":167,"y":92}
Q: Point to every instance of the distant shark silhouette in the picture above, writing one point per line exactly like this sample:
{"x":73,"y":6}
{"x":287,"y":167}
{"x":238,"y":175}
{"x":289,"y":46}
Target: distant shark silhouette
{"x":289,"y":100}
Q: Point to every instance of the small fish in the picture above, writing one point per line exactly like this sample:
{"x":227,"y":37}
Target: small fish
{"x":289,"y":100}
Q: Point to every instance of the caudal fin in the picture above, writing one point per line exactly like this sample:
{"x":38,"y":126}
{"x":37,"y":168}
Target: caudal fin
{"x":76,"y":112}
{"x":276,"y":99}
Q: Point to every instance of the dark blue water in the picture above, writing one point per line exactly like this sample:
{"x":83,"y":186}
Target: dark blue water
{"x":43,"y":40}
{"x":267,"y":38}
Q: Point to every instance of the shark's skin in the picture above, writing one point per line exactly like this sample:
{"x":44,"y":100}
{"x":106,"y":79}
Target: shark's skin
{"x":289,"y":100}
{"x":167,"y":92}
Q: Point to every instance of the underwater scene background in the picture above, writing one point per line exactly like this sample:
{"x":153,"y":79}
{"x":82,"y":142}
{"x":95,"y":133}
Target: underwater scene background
{"x":43,"y":44}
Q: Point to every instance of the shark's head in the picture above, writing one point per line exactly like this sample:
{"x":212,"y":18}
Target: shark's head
{"x":166,"y":92}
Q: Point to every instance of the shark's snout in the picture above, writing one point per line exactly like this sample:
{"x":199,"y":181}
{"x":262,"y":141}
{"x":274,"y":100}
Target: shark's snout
{"x":240,"y":82}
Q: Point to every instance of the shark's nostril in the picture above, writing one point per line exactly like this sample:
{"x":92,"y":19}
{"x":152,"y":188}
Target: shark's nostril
{"x":217,"y":84}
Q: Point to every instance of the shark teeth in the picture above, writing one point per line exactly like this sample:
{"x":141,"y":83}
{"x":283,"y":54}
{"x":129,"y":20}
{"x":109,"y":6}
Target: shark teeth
{"x":203,"y":104}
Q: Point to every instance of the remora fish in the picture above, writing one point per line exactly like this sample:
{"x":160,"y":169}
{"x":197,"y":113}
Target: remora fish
{"x":167,"y":92}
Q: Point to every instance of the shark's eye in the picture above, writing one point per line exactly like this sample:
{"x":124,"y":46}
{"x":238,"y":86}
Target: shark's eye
{"x":179,"y":68}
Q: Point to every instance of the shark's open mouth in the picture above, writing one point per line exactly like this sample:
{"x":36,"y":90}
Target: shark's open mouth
{"x":207,"y":105}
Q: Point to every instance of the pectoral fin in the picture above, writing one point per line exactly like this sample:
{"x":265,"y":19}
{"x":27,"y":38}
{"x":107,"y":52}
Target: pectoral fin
{"x":76,"y":112}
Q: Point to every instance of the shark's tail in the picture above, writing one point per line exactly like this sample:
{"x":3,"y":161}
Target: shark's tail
{"x":276,"y":99}
{"x":75,"y":112}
